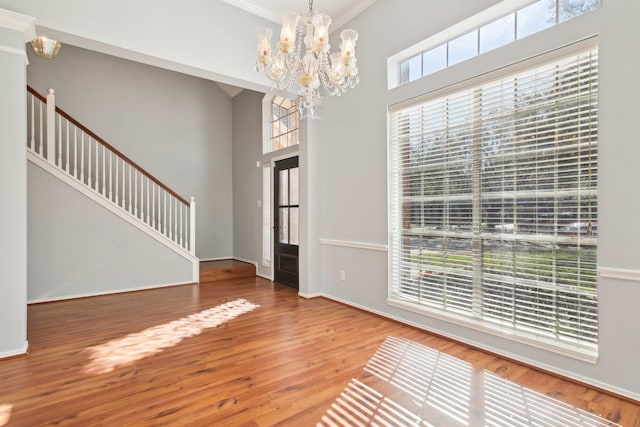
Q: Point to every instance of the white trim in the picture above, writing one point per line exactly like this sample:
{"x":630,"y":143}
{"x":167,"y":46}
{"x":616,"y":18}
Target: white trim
{"x":19,"y":22}
{"x":106,"y":203}
{"x":250,"y":7}
{"x":272,"y":16}
{"x":492,"y":13}
{"x":355,"y":245}
{"x":18,"y":352}
{"x":485,"y":327}
{"x":507,"y":354}
{"x":264,"y":276}
{"x":349,"y":14}
{"x":110,"y":292}
{"x":310,"y":296}
{"x":537,"y":60}
{"x":224,"y":258}
{"x":619,"y":273}
{"x":14,"y":51}
{"x":255,"y":264}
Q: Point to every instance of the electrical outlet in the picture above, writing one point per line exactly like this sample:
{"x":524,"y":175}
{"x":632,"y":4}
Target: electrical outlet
{"x":342,"y":275}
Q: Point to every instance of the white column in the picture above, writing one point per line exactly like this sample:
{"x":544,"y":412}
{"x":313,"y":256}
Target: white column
{"x":15,"y":30}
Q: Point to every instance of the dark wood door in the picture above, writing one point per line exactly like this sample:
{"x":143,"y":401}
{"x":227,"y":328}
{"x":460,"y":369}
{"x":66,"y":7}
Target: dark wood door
{"x":286,"y":201}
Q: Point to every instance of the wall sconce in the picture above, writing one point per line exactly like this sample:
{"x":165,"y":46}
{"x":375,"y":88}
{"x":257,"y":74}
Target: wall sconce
{"x":45,"y":47}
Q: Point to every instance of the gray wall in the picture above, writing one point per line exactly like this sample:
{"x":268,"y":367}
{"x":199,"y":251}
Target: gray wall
{"x":350,"y":144}
{"x":78,"y":248}
{"x":247,"y":177}
{"x":13,"y":191}
{"x":175,"y":126}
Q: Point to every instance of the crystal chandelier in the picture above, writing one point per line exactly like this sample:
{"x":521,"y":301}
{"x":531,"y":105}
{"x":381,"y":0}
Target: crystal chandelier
{"x":310,"y":65}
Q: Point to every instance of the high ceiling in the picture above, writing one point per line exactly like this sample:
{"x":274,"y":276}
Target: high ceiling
{"x":341,"y":11}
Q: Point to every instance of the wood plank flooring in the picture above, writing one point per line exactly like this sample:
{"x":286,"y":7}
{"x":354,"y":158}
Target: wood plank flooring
{"x":225,"y":269}
{"x":183,"y":356}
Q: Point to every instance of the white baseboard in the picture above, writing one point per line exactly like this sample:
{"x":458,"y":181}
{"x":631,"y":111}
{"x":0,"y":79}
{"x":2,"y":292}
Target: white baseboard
{"x":248,"y":261}
{"x":109,"y":292}
{"x":16,"y":352}
{"x":216,"y":259}
{"x":264,"y":276}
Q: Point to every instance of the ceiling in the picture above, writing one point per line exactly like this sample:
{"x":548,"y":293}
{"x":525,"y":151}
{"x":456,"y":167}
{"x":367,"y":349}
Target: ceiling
{"x":341,"y":11}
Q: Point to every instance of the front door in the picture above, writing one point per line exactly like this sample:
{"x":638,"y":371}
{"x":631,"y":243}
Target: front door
{"x":286,"y":214}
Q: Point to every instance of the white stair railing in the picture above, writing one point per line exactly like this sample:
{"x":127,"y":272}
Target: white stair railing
{"x":63,"y":142}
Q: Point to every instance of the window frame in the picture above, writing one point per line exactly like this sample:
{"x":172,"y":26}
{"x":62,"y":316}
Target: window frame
{"x":275,"y":123}
{"x":399,"y":71}
{"x":585,"y":354}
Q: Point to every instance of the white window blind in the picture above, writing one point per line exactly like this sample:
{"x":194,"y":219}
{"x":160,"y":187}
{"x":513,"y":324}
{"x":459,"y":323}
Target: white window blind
{"x":493,"y":204}
{"x":266,"y":215}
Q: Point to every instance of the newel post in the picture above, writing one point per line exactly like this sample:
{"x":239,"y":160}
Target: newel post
{"x":192,"y":226}
{"x":51,"y":126}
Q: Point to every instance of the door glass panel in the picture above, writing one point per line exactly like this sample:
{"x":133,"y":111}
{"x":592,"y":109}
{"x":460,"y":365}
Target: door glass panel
{"x":284,"y":225}
{"x":284,"y":187}
{"x":293,"y":235}
{"x":293,"y":187}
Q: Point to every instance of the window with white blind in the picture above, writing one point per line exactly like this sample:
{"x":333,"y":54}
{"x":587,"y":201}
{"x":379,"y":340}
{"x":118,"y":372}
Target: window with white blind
{"x":493,"y":204}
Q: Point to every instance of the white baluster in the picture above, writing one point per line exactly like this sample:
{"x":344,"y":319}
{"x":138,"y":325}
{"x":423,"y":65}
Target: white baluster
{"x":142,"y":177}
{"x":81,"y":156}
{"x":192,"y":226}
{"x":110,"y":175}
{"x":51,"y":126}
{"x":170,"y":217}
{"x":154,"y":213}
{"x":104,"y":171}
{"x":89,"y":158}
{"x":32,"y":145}
{"x":59,"y":143}
{"x":175,"y":220}
{"x":164,"y":217}
{"x":75,"y":151}
{"x":148,"y":201}
{"x":96,"y":175}
{"x":180,"y":223}
{"x":67,"y":166}
{"x":117,"y":185}
{"x":135,"y":193}
{"x":41,"y":141}
{"x":130,"y":207}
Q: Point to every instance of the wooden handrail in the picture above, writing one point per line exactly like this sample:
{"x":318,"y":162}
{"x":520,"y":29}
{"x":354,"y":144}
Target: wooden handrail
{"x":109,"y":146}
{"x":33,"y":92}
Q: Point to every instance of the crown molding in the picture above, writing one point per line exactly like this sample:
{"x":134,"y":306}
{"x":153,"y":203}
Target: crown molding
{"x":338,"y":20}
{"x":18,"y":22}
{"x":254,"y":9}
{"x":351,"y":13}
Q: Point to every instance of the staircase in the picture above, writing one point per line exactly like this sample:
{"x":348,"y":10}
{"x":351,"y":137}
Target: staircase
{"x":62,"y":146}
{"x":227,"y":269}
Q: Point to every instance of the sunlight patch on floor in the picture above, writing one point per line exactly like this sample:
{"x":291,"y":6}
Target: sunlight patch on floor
{"x":124,"y":351}
{"x":5,"y":413}
{"x":408,"y":384}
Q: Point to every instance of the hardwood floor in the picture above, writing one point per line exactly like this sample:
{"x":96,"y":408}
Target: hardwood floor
{"x":207,"y":356}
